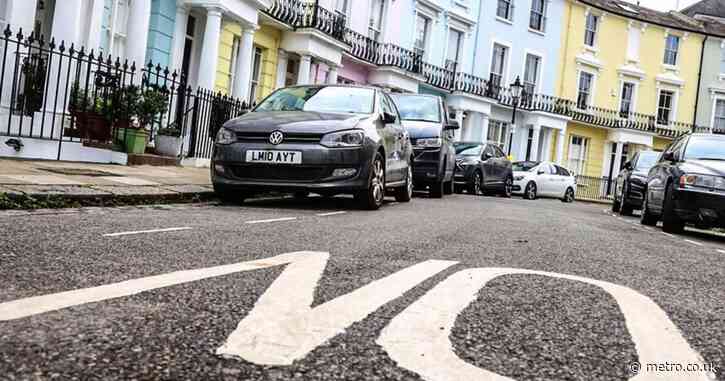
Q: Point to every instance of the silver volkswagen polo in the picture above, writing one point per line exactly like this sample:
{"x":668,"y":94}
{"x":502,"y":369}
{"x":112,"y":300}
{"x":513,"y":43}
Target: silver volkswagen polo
{"x":323,"y":139}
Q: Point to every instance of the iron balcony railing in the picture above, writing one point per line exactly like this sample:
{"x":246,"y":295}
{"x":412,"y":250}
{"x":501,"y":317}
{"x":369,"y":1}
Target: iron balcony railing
{"x":305,"y":14}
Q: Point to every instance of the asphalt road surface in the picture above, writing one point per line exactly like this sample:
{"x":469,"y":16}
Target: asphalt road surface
{"x":468,"y":288}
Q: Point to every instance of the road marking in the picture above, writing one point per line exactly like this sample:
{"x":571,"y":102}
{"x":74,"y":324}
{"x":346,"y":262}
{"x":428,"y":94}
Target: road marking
{"x":721,"y":251}
{"x":668,"y":234}
{"x":418,"y":339}
{"x":271,"y":220}
{"x":330,"y":214}
{"x":694,"y":242}
{"x":147,"y":231}
{"x":21,"y":308}
{"x":282,"y":327}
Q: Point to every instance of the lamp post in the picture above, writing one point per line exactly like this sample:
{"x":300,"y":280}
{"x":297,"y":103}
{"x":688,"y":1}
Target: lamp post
{"x":515,"y":90}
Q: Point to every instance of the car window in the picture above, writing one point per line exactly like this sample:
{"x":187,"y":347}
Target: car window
{"x":467,"y":149}
{"x":710,"y":148}
{"x":499,"y":153}
{"x":418,"y":107}
{"x":547,"y":169}
{"x":645,"y":160}
{"x":562,"y":171}
{"x":489,"y":150}
{"x":387,"y":106}
{"x":675,"y":147}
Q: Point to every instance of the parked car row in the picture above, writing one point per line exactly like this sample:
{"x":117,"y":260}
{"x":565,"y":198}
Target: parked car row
{"x":684,"y":184}
{"x":332,"y":139}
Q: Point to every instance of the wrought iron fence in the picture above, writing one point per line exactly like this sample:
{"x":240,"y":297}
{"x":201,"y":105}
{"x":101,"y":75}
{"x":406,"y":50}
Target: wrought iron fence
{"x":302,"y":14}
{"x":210,"y":111}
{"x":595,"y":188}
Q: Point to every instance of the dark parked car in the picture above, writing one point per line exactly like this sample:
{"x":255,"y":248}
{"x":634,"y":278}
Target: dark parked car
{"x":482,"y":168}
{"x":687,"y":185}
{"x":323,"y":139}
{"x":630,"y":184}
{"x":431,"y":132}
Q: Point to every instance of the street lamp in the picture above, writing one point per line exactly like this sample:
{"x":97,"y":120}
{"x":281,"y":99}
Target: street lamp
{"x":515,"y":90}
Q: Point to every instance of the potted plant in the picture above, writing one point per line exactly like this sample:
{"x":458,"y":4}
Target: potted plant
{"x":168,"y":142}
{"x":88,"y":121}
{"x":121,"y":109}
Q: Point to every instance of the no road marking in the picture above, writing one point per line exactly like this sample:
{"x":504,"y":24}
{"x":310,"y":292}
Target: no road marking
{"x":147,"y":231}
{"x":271,"y":220}
{"x":418,"y":338}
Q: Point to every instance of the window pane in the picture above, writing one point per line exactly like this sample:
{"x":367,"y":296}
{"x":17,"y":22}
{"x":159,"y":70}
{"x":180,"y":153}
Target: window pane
{"x":531,"y":73}
{"x":504,"y":9}
{"x":671,"y":48}
{"x":591,"y":29}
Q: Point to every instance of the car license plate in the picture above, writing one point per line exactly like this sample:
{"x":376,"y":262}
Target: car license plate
{"x":274,"y":157}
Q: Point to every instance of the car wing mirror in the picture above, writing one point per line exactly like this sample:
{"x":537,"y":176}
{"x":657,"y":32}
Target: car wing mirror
{"x":486,"y":156}
{"x":389,"y":118}
{"x":669,"y":156}
{"x":452,"y":125}
{"x":628,"y":166}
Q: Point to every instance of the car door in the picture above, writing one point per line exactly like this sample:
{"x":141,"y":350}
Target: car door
{"x":657,"y":182}
{"x":623,"y":177}
{"x":562,"y":177}
{"x":395,"y":135}
{"x":546,"y":180}
{"x":502,"y":164}
{"x":488,"y":164}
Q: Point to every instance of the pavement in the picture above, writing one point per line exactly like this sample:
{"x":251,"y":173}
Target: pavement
{"x":99,"y":183}
{"x":464,"y":288}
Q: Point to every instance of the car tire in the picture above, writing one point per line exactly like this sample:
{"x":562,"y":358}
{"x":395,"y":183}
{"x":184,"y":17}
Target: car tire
{"x":625,"y":208}
{"x":569,"y":196}
{"x":671,"y":223}
{"x":436,"y":189}
{"x":530,"y":191}
{"x":405,"y":193}
{"x":508,"y":187}
{"x":647,"y":219}
{"x":458,"y":189}
{"x":228,"y":196}
{"x":448,"y":187}
{"x":616,"y":205}
{"x":371,"y":198}
{"x":476,"y":185}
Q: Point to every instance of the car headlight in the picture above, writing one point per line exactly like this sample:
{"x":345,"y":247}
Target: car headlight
{"x":353,"y":138}
{"x":704,"y":181}
{"x":225,"y":136}
{"x":429,"y":143}
{"x":519,"y":178}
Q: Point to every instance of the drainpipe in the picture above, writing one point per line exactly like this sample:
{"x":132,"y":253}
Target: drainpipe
{"x":475,"y":40}
{"x":699,"y":82}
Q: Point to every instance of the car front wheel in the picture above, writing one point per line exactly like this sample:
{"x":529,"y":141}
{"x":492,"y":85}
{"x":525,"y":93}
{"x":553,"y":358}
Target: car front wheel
{"x":372,"y":197}
{"x":405,"y":193}
{"x":476,"y":185}
{"x":671,"y":222}
{"x":647,"y":219}
{"x":568,"y":196}
{"x":530,"y":191}
{"x":508,"y":187}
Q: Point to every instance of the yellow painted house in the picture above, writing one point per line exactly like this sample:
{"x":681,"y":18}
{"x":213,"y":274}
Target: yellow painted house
{"x":264,"y":60}
{"x":632,"y":73}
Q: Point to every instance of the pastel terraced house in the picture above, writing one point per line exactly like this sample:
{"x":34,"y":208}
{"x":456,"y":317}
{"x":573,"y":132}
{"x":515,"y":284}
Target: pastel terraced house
{"x":633,"y":74}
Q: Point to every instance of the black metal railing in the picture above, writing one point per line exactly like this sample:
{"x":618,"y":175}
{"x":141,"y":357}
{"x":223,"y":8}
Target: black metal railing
{"x":210,"y":111}
{"x":401,"y":58}
{"x":594,"y":188}
{"x":304,"y":14}
{"x":362,"y":47}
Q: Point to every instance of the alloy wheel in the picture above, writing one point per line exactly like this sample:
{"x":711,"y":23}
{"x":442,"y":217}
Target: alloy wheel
{"x":378,"y":182}
{"x":477,"y":184}
{"x":508,"y":187}
{"x":569,"y":196}
{"x":409,"y":184}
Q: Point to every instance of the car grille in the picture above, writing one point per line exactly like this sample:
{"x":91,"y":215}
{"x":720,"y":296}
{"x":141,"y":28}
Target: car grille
{"x":280,"y":173}
{"x":245,"y":136}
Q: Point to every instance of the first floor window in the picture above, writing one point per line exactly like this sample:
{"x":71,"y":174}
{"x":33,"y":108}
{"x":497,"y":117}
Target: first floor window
{"x":455,"y":40}
{"x":375,"y":27}
{"x":585,"y":90}
{"x":114,"y":25}
{"x":719,"y":121}
{"x":498,"y":65}
{"x":664,"y":108}
{"x":504,"y":9}
{"x":578,"y":147}
{"x":342,"y":7}
{"x":625,"y":106}
{"x":256,"y":74}
{"x":422,"y":24}
{"x":531,"y":73}
{"x":498,"y":133}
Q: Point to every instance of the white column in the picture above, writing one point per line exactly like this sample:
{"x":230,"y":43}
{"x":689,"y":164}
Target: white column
{"x":95,"y":26}
{"x":471,"y":126}
{"x":139,"y":17}
{"x":535,"y":143}
{"x":546,"y":144}
{"x":66,"y":28}
{"x":617,"y":159}
{"x":459,"y":119}
{"x":282,"y":60}
{"x":303,"y":74}
{"x":66,"y":22}
{"x":332,"y":75}
{"x":180,"y":24}
{"x":243,"y":75}
{"x":560,"y":145}
{"x":210,"y":48}
{"x":484,"y":128}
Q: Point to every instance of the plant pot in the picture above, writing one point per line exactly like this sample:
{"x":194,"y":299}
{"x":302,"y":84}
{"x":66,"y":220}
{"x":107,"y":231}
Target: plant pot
{"x":168,"y":145}
{"x":134,"y":140}
{"x":91,"y":126}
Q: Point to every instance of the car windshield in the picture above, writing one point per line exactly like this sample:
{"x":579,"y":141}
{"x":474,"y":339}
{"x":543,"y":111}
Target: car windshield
{"x":321,"y":99}
{"x":647,"y":160}
{"x":524,"y":166}
{"x":418,"y":108}
{"x":705,"y":148}
{"x":469,"y":149}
